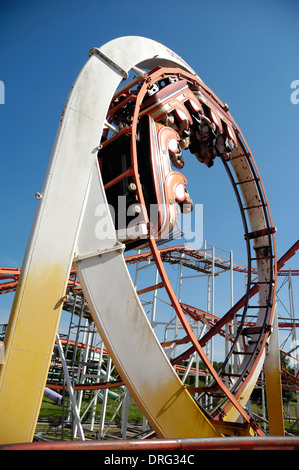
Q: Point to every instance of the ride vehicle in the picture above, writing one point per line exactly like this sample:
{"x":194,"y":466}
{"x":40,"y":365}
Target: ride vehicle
{"x":173,"y":117}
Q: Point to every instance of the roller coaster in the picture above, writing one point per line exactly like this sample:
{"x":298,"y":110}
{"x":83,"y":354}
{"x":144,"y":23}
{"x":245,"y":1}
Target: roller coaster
{"x":115,"y":186}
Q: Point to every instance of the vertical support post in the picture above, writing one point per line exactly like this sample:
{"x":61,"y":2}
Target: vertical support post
{"x":136,"y":273}
{"x":125,"y":414}
{"x":227,"y":340}
{"x":154,"y":303}
{"x":70,"y":389}
{"x":179,"y":299}
{"x":273,"y":383}
{"x":144,"y":424}
{"x":212,"y":311}
{"x":105,"y":398}
{"x":209,"y":311}
{"x":231,"y":279}
{"x":264,"y":400}
{"x":82,"y":372}
{"x":188,"y":367}
{"x":213,"y":281}
{"x":294,"y":336}
{"x":96,"y":392}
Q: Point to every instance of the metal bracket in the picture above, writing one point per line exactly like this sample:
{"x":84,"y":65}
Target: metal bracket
{"x":98,"y":52}
{"x":119,"y":247}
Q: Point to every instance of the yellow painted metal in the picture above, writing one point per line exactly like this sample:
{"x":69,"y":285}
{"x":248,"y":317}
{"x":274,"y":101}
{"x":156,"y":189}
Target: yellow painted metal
{"x":37,"y":306}
{"x":273,"y":384}
{"x":132,"y":344}
{"x":228,"y":428}
{"x":232,"y":414}
{"x":38,"y":302}
{"x":29,"y":344}
{"x":45,"y":272}
{"x":274,"y":402}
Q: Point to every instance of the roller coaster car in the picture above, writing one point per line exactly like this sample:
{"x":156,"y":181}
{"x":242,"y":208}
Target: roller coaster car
{"x":212,"y":133}
{"x":175,"y":106}
{"x":164,"y":190}
{"x":201,"y":125}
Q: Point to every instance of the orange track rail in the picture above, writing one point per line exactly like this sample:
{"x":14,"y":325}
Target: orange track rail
{"x":170,"y":445}
{"x":9,"y":277}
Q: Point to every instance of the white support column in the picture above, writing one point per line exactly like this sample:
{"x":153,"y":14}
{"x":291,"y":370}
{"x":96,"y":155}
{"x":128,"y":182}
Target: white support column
{"x":70,"y":389}
{"x":227,"y":332}
{"x":105,"y":398}
{"x":97,"y":391}
{"x":125,"y":414}
{"x":82,"y":370}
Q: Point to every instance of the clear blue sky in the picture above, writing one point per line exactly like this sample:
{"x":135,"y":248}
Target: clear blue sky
{"x":246,"y":51}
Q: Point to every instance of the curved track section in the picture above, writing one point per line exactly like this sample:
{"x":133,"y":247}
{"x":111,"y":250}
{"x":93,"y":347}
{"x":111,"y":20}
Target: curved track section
{"x":258,"y":228}
{"x":82,"y":232}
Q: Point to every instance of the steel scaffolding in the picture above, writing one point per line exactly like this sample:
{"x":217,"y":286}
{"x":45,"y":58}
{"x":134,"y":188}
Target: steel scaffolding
{"x":88,"y":372}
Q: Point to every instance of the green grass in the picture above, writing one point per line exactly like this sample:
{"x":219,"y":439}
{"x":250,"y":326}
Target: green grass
{"x":53,"y":412}
{"x":53,"y":415}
